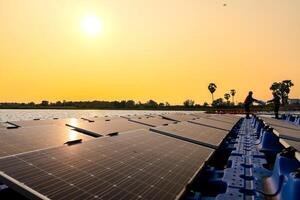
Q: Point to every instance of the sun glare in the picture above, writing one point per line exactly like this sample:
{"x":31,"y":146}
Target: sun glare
{"x":92,"y":25}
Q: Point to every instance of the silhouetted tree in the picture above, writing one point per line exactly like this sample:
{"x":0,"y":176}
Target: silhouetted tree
{"x":282,"y":89}
{"x":232,"y":92}
{"x":188,"y":103}
{"x":218,"y":102}
{"x":130,"y":104}
{"x":227,"y":97}
{"x":44,"y":103}
{"x":58,"y":103}
{"x":161,"y":104}
{"x":212,"y":88}
{"x":151,"y":104}
{"x":205,"y":104}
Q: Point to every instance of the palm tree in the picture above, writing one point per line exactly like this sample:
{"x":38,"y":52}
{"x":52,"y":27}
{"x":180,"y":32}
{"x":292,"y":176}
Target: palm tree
{"x":227,"y":97}
{"x":232,"y":92}
{"x":282,"y":89}
{"x":212,"y":88}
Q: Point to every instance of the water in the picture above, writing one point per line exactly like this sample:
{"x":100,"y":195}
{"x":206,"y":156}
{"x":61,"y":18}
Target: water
{"x":19,"y":114}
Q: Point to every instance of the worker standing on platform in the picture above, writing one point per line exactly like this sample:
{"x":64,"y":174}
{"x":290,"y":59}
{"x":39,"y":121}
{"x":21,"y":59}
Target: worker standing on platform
{"x":276,"y":102}
{"x":248,"y":102}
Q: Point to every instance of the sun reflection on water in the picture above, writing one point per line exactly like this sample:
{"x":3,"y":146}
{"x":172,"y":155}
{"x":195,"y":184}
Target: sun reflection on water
{"x":73,"y":135}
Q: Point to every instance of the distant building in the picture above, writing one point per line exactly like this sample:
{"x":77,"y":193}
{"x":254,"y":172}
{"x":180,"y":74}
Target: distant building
{"x":294,"y":101}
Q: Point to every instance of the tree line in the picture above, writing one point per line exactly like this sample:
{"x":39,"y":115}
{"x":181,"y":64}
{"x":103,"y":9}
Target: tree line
{"x":281,"y":88}
{"x":124,"y":104}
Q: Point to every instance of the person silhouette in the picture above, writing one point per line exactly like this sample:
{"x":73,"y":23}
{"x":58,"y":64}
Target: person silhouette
{"x":248,"y":102}
{"x":276,"y":102}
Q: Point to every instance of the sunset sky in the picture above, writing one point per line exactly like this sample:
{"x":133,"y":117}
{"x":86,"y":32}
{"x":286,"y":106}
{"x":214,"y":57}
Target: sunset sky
{"x":166,"y":50}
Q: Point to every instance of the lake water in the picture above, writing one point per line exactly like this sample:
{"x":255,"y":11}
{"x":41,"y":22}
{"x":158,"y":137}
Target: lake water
{"x":19,"y":114}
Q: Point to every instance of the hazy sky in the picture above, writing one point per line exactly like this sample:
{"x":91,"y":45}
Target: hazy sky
{"x":166,"y":50}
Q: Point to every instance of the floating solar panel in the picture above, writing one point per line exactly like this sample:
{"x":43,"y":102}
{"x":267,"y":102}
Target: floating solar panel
{"x":58,"y":122}
{"x":213,"y":123}
{"x":14,"y":141}
{"x":7,"y":125}
{"x":2,"y":126}
{"x":280,"y":123}
{"x":179,"y":117}
{"x":286,"y":143}
{"x":129,"y":116}
{"x":283,"y":129}
{"x":203,"y":135}
{"x":199,"y":114}
{"x":96,"y":118}
{"x":230,"y":119}
{"x":106,"y":127}
{"x":152,"y":121}
{"x":135,"y":165}
{"x":287,"y":133}
{"x":227,"y":118}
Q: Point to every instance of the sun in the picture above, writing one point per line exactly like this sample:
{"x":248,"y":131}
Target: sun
{"x":91,"y":25}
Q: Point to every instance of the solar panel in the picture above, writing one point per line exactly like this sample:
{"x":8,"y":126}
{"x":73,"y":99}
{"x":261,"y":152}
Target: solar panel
{"x":213,"y":123}
{"x":199,"y":114}
{"x":96,"y":118}
{"x":2,"y":126}
{"x":151,"y":120}
{"x":203,"y":135}
{"x":178,"y":117}
{"x":286,"y":143}
{"x":281,"y":124}
{"x":227,"y":118}
{"x":231,"y":119}
{"x":14,"y":141}
{"x":135,"y":165}
{"x":129,"y":116}
{"x":58,"y":122}
{"x":104,"y":127}
{"x":287,"y":133}
{"x":284,"y":130}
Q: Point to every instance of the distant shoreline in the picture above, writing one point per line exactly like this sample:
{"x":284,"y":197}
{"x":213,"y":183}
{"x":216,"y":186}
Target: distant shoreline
{"x":226,"y":108}
{"x":135,"y":109}
{"x":173,"y":108}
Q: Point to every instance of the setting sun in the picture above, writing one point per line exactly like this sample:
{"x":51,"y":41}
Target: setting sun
{"x":91,"y":25}
{"x":161,"y":50}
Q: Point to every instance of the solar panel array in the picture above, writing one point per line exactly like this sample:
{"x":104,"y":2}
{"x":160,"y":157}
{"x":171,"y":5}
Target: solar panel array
{"x":152,"y":121}
{"x":103,"y":127}
{"x":195,"y":133}
{"x":135,"y":165}
{"x":14,"y":141}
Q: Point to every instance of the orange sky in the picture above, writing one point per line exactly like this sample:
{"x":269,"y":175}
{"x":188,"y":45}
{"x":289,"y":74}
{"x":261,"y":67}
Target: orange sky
{"x":166,"y":50}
